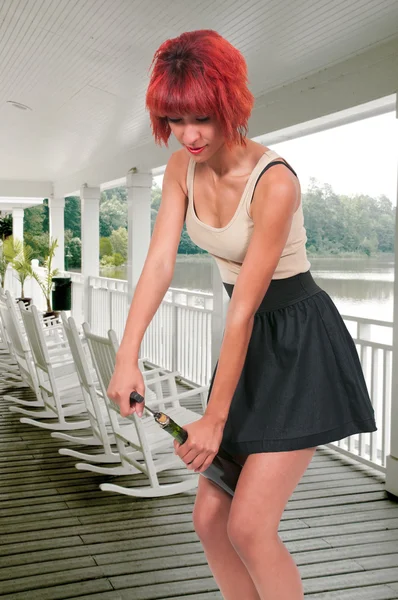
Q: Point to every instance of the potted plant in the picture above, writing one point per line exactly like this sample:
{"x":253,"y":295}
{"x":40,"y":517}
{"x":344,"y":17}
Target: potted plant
{"x":8,"y":252}
{"x":23,"y":266}
{"x":46,"y":282}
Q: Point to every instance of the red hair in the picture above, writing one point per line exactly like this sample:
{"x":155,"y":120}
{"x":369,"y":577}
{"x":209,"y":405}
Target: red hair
{"x":199,"y":73}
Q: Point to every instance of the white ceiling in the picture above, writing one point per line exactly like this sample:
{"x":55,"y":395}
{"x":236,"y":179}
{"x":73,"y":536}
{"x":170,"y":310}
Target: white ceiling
{"x":82,"y":65}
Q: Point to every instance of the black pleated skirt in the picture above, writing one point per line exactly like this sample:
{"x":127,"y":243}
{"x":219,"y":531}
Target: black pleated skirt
{"x":302,"y":383}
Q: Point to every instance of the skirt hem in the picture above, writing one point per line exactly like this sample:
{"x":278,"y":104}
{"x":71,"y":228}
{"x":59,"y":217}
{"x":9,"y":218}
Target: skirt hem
{"x":300,"y":443}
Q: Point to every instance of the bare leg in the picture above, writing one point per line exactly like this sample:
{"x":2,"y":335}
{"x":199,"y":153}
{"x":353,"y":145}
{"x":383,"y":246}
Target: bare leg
{"x":210,"y":517}
{"x":266,"y":483}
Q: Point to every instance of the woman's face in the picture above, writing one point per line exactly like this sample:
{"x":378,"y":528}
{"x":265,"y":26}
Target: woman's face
{"x":201,"y":136}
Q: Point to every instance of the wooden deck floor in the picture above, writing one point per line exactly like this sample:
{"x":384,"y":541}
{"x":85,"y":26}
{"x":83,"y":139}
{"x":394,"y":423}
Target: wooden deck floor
{"x":63,"y":538}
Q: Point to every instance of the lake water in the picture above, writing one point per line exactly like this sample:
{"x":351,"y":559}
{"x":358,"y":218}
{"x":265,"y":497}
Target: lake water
{"x":361,"y":287}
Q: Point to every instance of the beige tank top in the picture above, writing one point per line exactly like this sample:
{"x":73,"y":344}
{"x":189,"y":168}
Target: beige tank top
{"x":228,"y":245}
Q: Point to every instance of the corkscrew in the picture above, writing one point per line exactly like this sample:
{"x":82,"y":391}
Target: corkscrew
{"x":161,"y":418}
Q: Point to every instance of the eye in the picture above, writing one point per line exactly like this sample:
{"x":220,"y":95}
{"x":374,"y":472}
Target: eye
{"x":202,"y":119}
{"x":174,"y":120}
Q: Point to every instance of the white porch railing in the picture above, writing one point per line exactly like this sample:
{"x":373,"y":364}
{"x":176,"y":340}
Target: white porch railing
{"x":179,"y":338}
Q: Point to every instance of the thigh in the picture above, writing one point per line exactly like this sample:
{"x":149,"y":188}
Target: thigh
{"x":266,"y":483}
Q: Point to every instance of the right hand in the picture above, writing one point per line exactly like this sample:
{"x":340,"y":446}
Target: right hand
{"x":126,"y":378}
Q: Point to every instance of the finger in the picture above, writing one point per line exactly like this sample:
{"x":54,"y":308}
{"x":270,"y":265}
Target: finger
{"x":206,"y":464}
{"x":137,"y":402}
{"x":194,"y":460}
{"x":125,"y":408}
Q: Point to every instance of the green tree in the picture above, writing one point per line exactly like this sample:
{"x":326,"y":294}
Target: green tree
{"x":75,"y":249}
{"x":35,"y":219}
{"x":119,"y":241}
{"x":113,"y":214}
{"x":72,"y":215}
{"x":352,"y":224}
{"x":105,"y":247}
{"x":5,"y":226}
{"x":39,"y":244}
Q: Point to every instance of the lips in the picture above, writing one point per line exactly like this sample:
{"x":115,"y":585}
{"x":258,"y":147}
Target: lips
{"x":195,"y":150}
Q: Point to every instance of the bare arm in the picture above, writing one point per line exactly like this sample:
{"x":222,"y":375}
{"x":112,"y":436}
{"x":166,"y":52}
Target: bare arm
{"x":152,"y":285}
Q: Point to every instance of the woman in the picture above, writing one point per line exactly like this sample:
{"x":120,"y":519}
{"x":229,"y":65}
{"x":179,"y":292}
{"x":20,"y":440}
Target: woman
{"x":288,"y":376}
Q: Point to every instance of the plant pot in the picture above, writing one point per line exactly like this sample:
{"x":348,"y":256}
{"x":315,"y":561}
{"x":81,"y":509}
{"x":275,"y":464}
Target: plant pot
{"x":26,"y":301}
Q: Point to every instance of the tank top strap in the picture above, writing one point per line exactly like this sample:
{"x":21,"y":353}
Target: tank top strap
{"x":190,"y":178}
{"x":265,"y":159}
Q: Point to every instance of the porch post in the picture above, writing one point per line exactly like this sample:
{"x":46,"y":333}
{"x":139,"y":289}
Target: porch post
{"x":17,"y":223}
{"x":138,"y":186}
{"x":392,"y":459}
{"x":57,"y":230}
{"x":90,"y":200}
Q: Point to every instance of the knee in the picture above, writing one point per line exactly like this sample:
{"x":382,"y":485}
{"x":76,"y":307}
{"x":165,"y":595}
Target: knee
{"x":205,"y":521}
{"x":246,"y":534}
{"x":209,"y":519}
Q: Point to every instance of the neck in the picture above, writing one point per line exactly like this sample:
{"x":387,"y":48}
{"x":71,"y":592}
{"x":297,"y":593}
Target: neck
{"x":227,"y":159}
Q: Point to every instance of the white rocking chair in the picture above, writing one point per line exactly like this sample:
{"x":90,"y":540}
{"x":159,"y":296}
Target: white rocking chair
{"x":57,"y":380}
{"x":144,"y":438}
{"x":20,"y":350}
{"x":9,"y":372}
{"x":95,"y":406}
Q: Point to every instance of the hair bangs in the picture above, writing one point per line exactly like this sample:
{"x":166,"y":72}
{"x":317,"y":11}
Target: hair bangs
{"x":187,"y":95}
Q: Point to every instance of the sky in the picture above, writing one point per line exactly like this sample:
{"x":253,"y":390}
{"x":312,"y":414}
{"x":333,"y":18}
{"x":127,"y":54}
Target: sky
{"x":360,"y":157}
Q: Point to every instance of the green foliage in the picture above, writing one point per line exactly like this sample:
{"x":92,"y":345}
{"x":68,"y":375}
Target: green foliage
{"x":36,"y":220}
{"x":118,"y":259}
{"x":119,"y":241}
{"x":5,"y":226}
{"x":113,"y":215}
{"x":9,"y":249}
{"x":72,"y":215}
{"x":39,"y":244}
{"x":73,"y":247}
{"x":22,"y":264}
{"x":113,"y":260}
{"x":341,"y":224}
{"x":75,"y":250}
{"x":120,"y":193}
{"x":45,"y":282}
{"x":105,"y":247}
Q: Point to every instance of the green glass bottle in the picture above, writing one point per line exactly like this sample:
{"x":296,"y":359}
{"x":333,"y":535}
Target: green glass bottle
{"x":224,"y":471}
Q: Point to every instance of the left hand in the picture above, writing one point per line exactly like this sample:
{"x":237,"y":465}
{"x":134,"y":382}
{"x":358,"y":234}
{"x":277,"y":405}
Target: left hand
{"x":204,"y":439}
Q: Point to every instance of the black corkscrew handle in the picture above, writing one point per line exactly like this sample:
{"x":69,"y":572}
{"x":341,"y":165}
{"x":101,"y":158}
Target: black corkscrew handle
{"x":136,"y":397}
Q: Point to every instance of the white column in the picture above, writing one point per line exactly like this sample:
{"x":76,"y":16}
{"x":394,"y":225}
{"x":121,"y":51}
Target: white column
{"x":220,"y":307}
{"x":392,"y":459}
{"x":138,"y":187}
{"x":57,"y":230}
{"x":17,"y":223}
{"x":90,"y":199}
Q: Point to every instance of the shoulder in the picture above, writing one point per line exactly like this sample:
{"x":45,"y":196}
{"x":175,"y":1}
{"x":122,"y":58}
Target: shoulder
{"x":177,"y":168}
{"x":278,"y":181}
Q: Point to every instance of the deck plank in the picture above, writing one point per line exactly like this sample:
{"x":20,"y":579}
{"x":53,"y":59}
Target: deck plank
{"x":62,"y":538}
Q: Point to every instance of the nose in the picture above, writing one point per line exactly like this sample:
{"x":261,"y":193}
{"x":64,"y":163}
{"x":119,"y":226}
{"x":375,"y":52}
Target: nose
{"x":191,"y":135}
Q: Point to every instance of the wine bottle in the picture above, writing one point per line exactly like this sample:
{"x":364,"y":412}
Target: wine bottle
{"x":224,"y":471}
